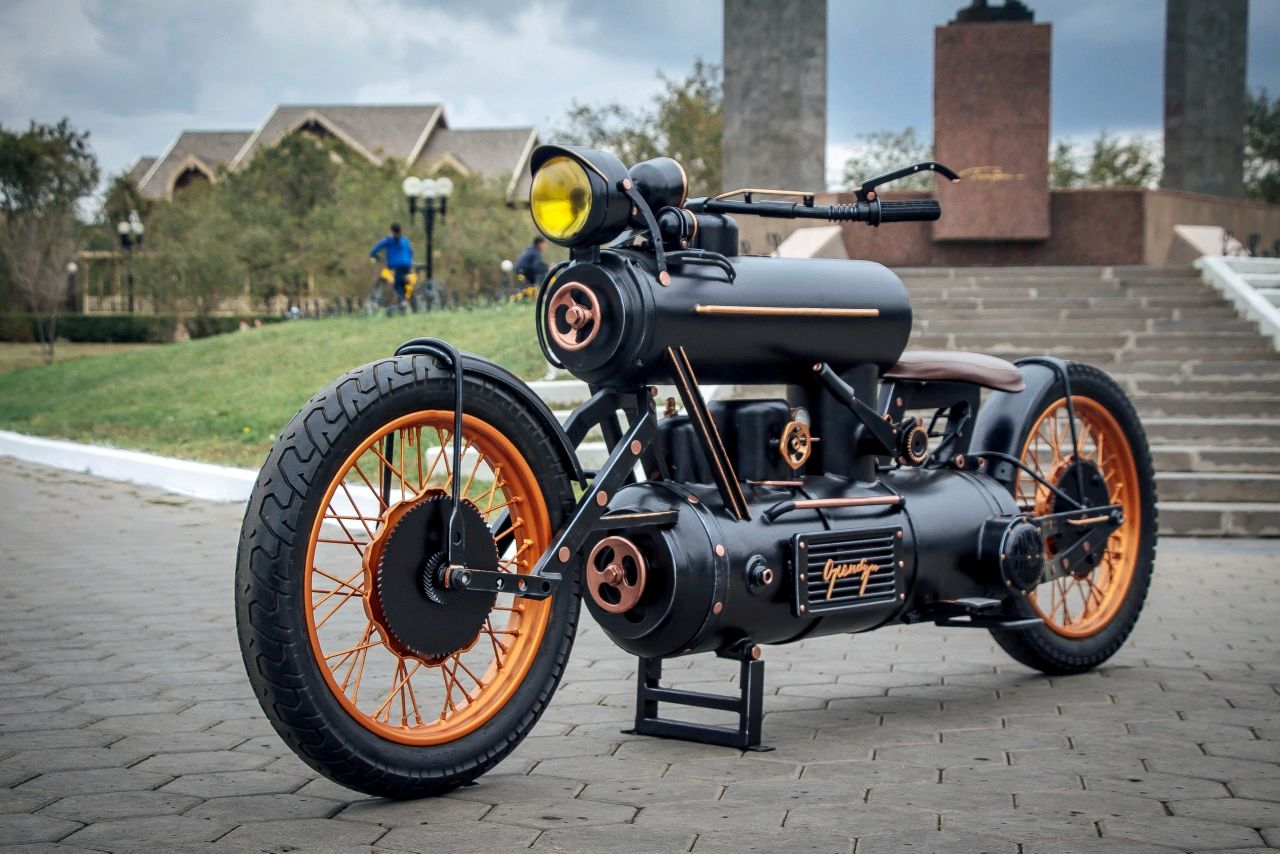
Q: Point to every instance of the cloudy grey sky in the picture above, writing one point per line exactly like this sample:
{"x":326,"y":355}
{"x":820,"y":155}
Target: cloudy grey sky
{"x":135,"y":73}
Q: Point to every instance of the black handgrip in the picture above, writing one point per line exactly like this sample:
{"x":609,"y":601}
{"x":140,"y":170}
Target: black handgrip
{"x":916,"y":210}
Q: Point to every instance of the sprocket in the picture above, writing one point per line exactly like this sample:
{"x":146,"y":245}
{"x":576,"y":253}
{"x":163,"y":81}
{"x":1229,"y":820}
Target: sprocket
{"x":425,"y":618}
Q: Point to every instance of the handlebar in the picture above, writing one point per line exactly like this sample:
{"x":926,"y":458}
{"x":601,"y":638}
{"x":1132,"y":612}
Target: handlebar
{"x":872,"y":213}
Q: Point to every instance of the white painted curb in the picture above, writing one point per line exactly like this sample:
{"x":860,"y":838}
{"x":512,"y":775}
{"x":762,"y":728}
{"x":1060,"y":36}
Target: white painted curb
{"x":184,"y":477}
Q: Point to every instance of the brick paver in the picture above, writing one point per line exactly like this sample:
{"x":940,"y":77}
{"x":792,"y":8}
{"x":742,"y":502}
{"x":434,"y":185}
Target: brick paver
{"x":126,"y":721}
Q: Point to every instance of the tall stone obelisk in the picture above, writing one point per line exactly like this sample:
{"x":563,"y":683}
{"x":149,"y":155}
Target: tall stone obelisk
{"x":1205,"y":42}
{"x":775,"y":94}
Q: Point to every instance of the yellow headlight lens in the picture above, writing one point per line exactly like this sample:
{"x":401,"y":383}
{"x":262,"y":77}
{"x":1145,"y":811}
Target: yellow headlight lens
{"x":560,"y":198}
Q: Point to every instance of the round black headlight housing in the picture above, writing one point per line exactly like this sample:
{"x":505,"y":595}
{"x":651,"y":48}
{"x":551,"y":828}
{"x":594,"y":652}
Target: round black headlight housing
{"x":577,"y":197}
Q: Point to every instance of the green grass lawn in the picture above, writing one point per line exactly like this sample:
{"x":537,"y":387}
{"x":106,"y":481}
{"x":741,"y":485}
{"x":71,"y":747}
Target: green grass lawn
{"x":14,"y":356}
{"x":222,"y":399}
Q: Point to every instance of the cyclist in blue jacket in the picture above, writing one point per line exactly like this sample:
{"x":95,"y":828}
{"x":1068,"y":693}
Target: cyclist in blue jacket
{"x":399,"y":258}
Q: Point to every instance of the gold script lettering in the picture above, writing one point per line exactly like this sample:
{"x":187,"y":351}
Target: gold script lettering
{"x":833,"y":572}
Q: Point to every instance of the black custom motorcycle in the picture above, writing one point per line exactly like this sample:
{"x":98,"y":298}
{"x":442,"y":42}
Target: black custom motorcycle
{"x":418,"y":543}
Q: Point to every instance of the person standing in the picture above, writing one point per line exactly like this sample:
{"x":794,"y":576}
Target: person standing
{"x":530,"y":265}
{"x":399,"y":258}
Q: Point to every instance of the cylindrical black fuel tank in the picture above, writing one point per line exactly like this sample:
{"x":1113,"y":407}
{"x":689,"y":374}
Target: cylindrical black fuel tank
{"x":830,"y":570}
{"x":610,"y":322}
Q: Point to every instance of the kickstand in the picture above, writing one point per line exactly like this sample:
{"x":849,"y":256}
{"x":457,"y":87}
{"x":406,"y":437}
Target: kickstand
{"x":749,"y":704}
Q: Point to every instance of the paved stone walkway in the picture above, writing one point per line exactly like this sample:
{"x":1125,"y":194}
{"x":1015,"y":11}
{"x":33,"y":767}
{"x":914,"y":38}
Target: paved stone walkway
{"x":126,"y":721}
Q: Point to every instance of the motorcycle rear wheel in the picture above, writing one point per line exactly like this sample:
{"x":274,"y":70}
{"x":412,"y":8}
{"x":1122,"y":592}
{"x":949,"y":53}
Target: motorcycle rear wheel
{"x":392,"y":708}
{"x":1086,"y":617}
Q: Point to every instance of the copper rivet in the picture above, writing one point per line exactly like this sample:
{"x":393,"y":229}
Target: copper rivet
{"x":653,"y":391}
{"x":563,"y":554}
{"x":719,"y":550}
{"x":899,"y":535}
{"x":902,"y":597}
{"x":693,"y":499}
{"x":664,"y":278}
{"x":719,"y":606}
{"x":803,"y":546}
{"x":602,"y":498}
{"x":755,"y":653}
{"x":901,"y":564}
{"x":635,"y":446}
{"x":626,"y":183}
{"x":803,"y":609}
{"x":898,"y":401}
{"x":802,"y":576}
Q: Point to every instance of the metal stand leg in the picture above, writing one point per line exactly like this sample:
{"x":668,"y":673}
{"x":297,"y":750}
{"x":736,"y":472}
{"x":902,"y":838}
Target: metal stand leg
{"x":749,"y":704}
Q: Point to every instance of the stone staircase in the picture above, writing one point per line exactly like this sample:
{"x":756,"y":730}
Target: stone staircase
{"x":1205,"y":382}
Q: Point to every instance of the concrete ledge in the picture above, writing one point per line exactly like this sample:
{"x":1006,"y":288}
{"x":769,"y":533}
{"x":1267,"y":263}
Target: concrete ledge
{"x":184,"y":477}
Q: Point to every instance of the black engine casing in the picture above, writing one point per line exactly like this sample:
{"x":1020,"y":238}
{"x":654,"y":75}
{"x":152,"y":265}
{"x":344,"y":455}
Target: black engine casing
{"x":700,"y":594}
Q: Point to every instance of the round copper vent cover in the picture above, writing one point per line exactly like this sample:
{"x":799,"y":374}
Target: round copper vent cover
{"x":573,"y":317}
{"x":615,"y":574}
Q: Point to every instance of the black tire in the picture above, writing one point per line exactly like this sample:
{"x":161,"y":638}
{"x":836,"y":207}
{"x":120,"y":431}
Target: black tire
{"x":271,"y":603}
{"x":1042,"y":647}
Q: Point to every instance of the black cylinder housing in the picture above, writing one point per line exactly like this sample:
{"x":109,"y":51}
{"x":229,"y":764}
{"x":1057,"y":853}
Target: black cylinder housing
{"x":770,"y":324}
{"x":703,"y":590}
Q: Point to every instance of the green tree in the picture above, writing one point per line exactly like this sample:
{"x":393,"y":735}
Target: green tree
{"x":44,"y":173}
{"x":685,"y":123}
{"x":1065,"y":170}
{"x":1262,"y":148}
{"x":192,"y":266}
{"x":1118,"y":162}
{"x":882,"y":151}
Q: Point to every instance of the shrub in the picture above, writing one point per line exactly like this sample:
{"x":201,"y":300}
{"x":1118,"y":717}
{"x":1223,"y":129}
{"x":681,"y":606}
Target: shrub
{"x":124,"y":328}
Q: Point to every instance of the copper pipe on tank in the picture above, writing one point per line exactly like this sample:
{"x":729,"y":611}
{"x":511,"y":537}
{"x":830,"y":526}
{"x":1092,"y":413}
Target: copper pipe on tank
{"x":783,"y":311}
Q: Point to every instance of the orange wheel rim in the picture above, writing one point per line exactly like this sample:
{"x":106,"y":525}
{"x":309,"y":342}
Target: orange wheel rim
{"x":1074,"y":606}
{"x":395,"y":694}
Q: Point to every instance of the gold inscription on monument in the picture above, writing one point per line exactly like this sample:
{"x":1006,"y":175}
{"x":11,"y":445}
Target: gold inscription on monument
{"x":990,"y":174}
{"x":833,"y":572}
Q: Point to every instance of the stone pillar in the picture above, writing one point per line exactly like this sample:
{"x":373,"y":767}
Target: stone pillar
{"x":991,"y":124}
{"x":775,"y":94}
{"x":1204,"y":95}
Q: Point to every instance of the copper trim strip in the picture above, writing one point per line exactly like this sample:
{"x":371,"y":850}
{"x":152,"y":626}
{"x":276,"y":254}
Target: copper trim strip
{"x":782,"y":311}
{"x":786,"y":484}
{"x":734,"y":486}
{"x":876,"y":501}
{"x":735,"y":500}
{"x":765,"y":192}
{"x":1090,"y":520}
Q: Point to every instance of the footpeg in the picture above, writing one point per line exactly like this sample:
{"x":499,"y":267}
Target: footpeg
{"x":975,"y":612}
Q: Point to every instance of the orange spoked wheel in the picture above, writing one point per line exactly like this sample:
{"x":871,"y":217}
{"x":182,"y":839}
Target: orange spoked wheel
{"x":409,"y":658}
{"x":1088,"y":610}
{"x":372,"y":667}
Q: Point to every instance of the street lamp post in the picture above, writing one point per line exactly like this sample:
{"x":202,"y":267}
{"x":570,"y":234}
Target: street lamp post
{"x":430,"y":196}
{"x":72,"y":269}
{"x":130,"y":231}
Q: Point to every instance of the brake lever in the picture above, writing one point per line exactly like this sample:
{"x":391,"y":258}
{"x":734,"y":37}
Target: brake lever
{"x":867,"y":192}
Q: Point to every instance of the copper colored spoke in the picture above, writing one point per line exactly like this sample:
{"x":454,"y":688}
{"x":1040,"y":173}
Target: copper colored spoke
{"x":353,"y":650}
{"x":317,"y":570}
{"x":359,"y":547}
{"x":448,"y":472}
{"x":413,"y":699}
{"x":510,"y":529}
{"x":363,"y":519}
{"x":396,"y":688}
{"x":480,"y":458}
{"x":417,"y":444}
{"x":458,"y":659}
{"x":347,"y":583}
{"x":377,"y":493}
{"x":389,"y":465}
{"x":347,"y":594}
{"x":361,"y":648}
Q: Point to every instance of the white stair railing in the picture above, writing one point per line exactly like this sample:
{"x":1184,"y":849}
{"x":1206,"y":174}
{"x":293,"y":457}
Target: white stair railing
{"x":1251,"y":284}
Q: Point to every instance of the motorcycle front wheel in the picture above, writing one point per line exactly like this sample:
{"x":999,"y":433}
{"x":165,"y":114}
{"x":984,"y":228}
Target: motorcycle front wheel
{"x":375,"y":673}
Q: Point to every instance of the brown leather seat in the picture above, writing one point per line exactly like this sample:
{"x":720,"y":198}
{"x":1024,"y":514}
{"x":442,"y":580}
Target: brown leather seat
{"x":949,"y":365}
